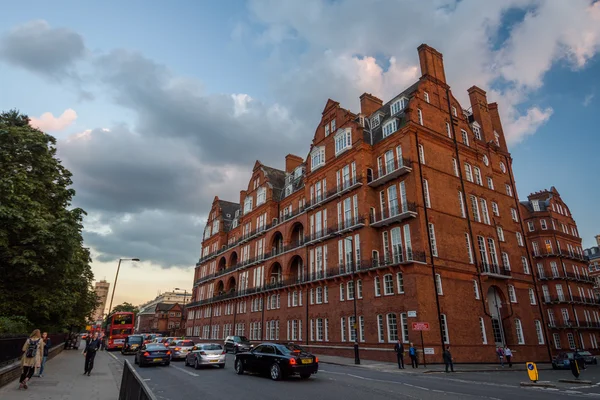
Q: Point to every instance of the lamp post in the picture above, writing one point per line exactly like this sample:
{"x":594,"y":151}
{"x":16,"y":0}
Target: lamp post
{"x":117,"y":277}
{"x":184,"y":293}
{"x":356,"y":352}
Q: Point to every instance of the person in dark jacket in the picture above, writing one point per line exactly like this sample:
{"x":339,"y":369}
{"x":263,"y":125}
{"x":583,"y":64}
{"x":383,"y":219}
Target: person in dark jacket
{"x":90,"y":353}
{"x":47,"y":345}
{"x":448,"y":359}
{"x":399,"y":349}
{"x":412,"y":352}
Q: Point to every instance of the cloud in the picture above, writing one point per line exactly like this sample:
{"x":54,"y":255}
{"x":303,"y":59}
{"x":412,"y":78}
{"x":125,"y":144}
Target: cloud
{"x":588,"y":99}
{"x":42,"y":49}
{"x":48,"y":122}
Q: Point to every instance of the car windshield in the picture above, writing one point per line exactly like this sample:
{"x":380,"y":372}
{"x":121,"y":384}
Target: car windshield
{"x":290,"y":348}
{"x":241,"y":339}
{"x":585,"y":353}
{"x":154,"y":347}
{"x":185,"y":343}
{"x":135,"y":339}
{"x":211,"y":347}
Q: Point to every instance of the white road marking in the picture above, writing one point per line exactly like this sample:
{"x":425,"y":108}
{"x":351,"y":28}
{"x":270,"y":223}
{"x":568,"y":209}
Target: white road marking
{"x":184,"y":371}
{"x":115,"y":357}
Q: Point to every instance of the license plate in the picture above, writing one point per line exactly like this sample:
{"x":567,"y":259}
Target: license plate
{"x":307,"y":361}
{"x":134,"y":346}
{"x":119,"y":341}
{"x":157,"y":359}
{"x":214,"y":361}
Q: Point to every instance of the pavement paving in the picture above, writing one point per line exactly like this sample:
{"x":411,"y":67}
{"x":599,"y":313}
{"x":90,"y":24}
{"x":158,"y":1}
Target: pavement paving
{"x":64,"y":380}
{"x":346,"y":382}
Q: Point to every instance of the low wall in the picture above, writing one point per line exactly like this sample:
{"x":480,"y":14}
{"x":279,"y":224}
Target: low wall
{"x":11,"y":372}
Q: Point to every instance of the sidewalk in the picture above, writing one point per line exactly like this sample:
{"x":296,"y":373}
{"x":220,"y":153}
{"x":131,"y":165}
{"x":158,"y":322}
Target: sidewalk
{"x":63,"y":379}
{"x":431,"y":368}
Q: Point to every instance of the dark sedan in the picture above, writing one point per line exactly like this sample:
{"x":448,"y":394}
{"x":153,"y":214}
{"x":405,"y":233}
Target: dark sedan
{"x":152,"y":353}
{"x":278,"y":360}
{"x":132,"y":342}
{"x":564,"y":360}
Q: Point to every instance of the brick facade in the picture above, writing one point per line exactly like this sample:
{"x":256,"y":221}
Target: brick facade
{"x":402,"y":209}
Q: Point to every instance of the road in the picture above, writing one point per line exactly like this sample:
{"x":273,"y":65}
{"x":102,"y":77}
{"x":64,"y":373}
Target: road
{"x":177,"y":382}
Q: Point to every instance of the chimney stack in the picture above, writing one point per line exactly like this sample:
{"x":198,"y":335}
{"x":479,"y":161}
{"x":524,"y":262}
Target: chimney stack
{"x":292,"y":162}
{"x":369,"y":104}
{"x":481,"y":113}
{"x":598,"y":240}
{"x":432,"y":63}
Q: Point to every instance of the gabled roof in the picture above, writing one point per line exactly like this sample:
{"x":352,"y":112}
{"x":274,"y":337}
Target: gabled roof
{"x":276,"y":178}
{"x":330,"y":104}
{"x":163,"y":307}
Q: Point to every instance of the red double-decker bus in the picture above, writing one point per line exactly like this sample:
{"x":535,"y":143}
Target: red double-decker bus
{"x":120,"y":325}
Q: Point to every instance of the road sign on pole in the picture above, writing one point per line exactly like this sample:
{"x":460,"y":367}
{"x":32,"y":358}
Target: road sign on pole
{"x":420,"y":326}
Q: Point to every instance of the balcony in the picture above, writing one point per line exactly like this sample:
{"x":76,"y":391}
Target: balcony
{"x":545,"y":253}
{"x":344,"y":187}
{"x":495,"y":271}
{"x":391,"y":170}
{"x":345,"y":226}
{"x":571,"y":324}
{"x":568,"y":276}
{"x":393,"y":215}
{"x":570,"y":300}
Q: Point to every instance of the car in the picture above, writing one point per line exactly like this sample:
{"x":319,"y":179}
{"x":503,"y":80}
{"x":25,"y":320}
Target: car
{"x":237,"y":344}
{"x":180,"y":349}
{"x":588,"y":357}
{"x":152,"y":353}
{"x":132,"y":342}
{"x":278,"y":360}
{"x":563,"y":360}
{"x":206,"y":354}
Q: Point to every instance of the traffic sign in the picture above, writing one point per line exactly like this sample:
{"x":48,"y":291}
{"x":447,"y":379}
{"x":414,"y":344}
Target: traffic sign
{"x":532,"y":372}
{"x":420,"y":326}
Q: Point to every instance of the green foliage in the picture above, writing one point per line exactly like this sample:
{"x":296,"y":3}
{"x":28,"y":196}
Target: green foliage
{"x":46,"y":276}
{"x":15,"y":325}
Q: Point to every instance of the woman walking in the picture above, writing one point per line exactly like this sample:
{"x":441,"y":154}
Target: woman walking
{"x":32,"y":359}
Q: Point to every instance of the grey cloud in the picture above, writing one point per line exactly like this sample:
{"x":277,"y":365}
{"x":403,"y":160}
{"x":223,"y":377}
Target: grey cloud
{"x":42,"y":49}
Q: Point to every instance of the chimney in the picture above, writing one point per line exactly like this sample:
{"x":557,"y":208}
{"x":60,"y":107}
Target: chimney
{"x":369,"y":104}
{"x":479,"y":107}
{"x":432,"y":63}
{"x":598,"y":240}
{"x":291,"y":162}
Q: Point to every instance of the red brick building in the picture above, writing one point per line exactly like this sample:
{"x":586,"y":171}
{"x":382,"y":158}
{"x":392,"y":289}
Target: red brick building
{"x":401,"y":213}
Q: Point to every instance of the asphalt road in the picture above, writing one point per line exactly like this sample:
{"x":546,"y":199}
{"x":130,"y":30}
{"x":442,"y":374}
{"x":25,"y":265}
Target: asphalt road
{"x":177,"y":382}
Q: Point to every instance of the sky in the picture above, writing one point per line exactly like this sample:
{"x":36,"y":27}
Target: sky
{"x":160,"y":106}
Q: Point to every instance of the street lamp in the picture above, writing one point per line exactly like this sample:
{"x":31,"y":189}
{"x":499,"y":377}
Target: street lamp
{"x":184,"y":293}
{"x":355,"y":286}
{"x":117,"y":277}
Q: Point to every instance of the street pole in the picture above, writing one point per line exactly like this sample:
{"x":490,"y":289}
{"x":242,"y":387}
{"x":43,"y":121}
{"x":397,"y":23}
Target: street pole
{"x":117,"y":277}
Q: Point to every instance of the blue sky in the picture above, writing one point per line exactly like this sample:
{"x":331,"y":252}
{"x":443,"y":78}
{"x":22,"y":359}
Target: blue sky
{"x":172,"y":103}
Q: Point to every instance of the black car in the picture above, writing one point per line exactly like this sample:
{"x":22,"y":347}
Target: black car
{"x":278,"y":360}
{"x":132,"y":342}
{"x":564,"y":360}
{"x":237,"y":344}
{"x":152,"y":353}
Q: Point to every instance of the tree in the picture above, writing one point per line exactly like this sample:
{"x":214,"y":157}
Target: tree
{"x":45,"y":270}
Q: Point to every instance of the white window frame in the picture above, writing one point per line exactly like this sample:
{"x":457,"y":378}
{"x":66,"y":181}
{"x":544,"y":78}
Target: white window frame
{"x":343,"y":141}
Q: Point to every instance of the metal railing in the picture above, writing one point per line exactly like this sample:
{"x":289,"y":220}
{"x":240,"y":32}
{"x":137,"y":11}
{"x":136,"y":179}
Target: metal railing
{"x":495,"y":269}
{"x":11,"y":348}
{"x":133,"y":386}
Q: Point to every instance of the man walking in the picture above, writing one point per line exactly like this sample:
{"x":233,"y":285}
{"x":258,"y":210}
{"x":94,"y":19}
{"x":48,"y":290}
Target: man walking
{"x":448,"y":359}
{"x":508,"y":354}
{"x":399,"y":349}
{"x":90,"y":353}
{"x":412,"y":352}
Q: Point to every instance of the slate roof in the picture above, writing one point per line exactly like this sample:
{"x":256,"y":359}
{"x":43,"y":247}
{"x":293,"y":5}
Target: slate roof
{"x":276,"y":178}
{"x":163,"y":307}
{"x":228,"y":210}
{"x":595,"y":255}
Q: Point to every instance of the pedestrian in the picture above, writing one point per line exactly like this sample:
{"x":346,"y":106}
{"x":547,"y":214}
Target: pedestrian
{"x":90,"y":353}
{"x":448,"y":359}
{"x":47,"y":345}
{"x":399,"y":349}
{"x":412,"y":352}
{"x":32,"y":359}
{"x":508,"y":354}
{"x":500,"y":354}
{"x":102,"y":344}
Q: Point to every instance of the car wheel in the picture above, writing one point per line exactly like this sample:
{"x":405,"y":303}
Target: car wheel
{"x":239,"y":367}
{"x":187,"y":364}
{"x":196,"y":364}
{"x":275,"y":372}
{"x":304,"y":376}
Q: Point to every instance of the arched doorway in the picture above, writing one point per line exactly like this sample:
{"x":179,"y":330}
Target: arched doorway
{"x":277,"y":243}
{"x":233,"y":259}
{"x":276,"y":273}
{"x":297,"y":237}
{"x":231,"y":285}
{"x":495,"y":301}
{"x":222,"y":264}
{"x":297,"y":269}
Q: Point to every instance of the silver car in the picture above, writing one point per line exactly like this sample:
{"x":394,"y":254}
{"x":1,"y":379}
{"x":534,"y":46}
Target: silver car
{"x":181,"y":349}
{"x":206,"y":354}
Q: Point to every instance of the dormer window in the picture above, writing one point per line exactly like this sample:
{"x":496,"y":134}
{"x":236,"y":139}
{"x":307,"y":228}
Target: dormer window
{"x":298,"y":172}
{"x":248,"y":204}
{"x":237,"y":214}
{"x":398,"y":105}
{"x":343,"y":141}
{"x":390,"y":127}
{"x":261,"y":196}
{"x":317,"y":158}
{"x":536,"y":205}
{"x":477,"y":131}
{"x":207,"y":231}
{"x":375,"y":121}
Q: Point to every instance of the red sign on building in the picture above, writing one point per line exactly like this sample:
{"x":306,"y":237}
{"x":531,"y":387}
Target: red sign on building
{"x":420,"y":326}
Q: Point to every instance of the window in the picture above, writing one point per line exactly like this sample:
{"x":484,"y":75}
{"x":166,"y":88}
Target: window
{"x":444,"y":328}
{"x":529,"y":225}
{"x":454,"y":111}
{"x":421,"y":154}
{"x":377,"y":286}
{"x":398,"y":106}
{"x":502,"y":167}
{"x":400,"y":282}
{"x":247,"y":204}
{"x":536,"y":205}
{"x":475,"y":207}
{"x":380,"y":334}
{"x":390,"y":127}
{"x":532,"y":297}
{"x":351,"y":328}
{"x":343,"y":141}
{"x":556,"y":338}
{"x":468,"y":172}
{"x":426,"y":96}
{"x":519,"y":329}
{"x":477,"y":132}
{"x":508,"y":190}
{"x":511,"y":294}
{"x":490,"y":183}
{"x":343,"y":329}
{"x":469,"y":249}
{"x":482,"y":328}
{"x":455,"y":166}
{"x":500,"y":233}
{"x":571,"y":340}
{"x":388,"y":285}
{"x":326,"y":130}
{"x":478,"y":176}
{"x":333,"y":127}
{"x":375,"y":121}
{"x":438,"y":284}
{"x":261,"y":196}
{"x":420,"y":116}
{"x":525,"y":266}
{"x":426,"y":190}
{"x":514,"y":215}
{"x":317,"y":158}
{"x":361,"y":328}
{"x":404,"y":323}
{"x":342,"y":292}
{"x":486,"y":161}
{"x":392,"y":326}
{"x":543,"y":224}
{"x":448,"y":131}
{"x":461,"y":202}
{"x":495,"y":209}
{"x":465,"y":137}
{"x":485,"y":212}
{"x":520,"y":239}
{"x":476,"y":289}
{"x":432,"y":240}
{"x":350,"y":290}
